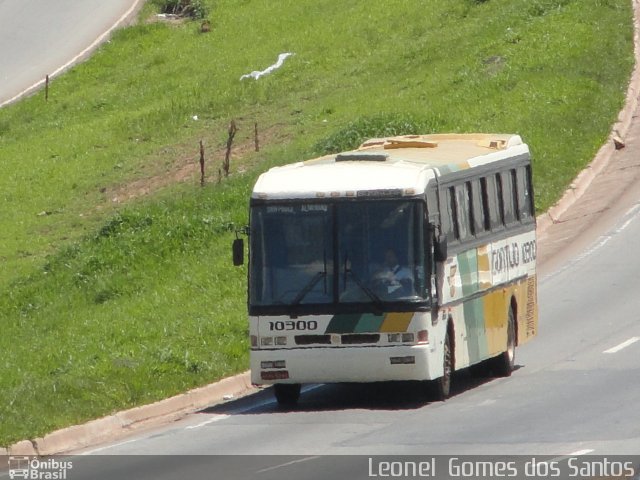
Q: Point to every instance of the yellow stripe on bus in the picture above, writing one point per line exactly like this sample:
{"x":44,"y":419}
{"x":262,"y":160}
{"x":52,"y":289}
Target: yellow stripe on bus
{"x":396,"y":322}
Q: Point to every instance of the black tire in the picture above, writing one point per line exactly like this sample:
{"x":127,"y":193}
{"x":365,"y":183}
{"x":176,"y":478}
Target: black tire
{"x":504,"y":364}
{"x":287,"y":394}
{"x":442,"y":386}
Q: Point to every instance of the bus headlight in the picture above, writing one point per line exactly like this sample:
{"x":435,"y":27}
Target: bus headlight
{"x":394,"y":337}
{"x":266,"y":341}
{"x":407,"y":338}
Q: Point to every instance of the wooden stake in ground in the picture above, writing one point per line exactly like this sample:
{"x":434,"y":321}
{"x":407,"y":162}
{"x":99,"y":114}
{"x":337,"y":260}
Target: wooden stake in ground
{"x":201,"y":164}
{"x":255,"y":132}
{"x":46,"y":88}
{"x":227,"y":156}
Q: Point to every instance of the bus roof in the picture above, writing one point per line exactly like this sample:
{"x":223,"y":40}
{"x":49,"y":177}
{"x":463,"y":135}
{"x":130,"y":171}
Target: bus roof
{"x":400,"y":165}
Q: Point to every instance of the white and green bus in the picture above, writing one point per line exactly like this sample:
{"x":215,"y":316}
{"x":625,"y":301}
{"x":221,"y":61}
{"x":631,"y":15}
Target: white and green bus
{"x":406,"y":259}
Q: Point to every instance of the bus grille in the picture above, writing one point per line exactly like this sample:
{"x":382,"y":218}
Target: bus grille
{"x":356,"y":338}
{"x":345,"y":339}
{"x":313,"y":339}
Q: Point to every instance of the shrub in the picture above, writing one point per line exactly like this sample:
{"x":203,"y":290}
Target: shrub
{"x":185,"y":8}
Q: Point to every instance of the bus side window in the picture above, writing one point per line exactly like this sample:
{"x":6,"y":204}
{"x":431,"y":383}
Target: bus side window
{"x":496,"y":208}
{"x":477,"y":211}
{"x":508,"y":198}
{"x":486,"y":210}
{"x":454,"y":233}
{"x":515,"y":192}
{"x":525,"y":202}
{"x":475,"y":227}
{"x":499,"y":198}
{"x":463,"y":211}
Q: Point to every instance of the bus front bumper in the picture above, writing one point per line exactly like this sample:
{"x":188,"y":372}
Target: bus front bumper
{"x":343,"y":364}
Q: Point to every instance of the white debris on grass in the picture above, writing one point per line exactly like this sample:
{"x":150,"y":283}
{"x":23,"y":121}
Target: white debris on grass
{"x":257,"y":74}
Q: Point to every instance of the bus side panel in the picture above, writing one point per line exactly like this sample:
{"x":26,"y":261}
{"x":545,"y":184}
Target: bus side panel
{"x":480,"y":327}
{"x":481,"y":323}
{"x":496,"y":309}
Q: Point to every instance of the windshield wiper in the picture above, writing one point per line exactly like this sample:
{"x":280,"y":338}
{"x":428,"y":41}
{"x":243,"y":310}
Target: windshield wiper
{"x":372,"y":296}
{"x":308,"y":287}
{"x":312,"y":283}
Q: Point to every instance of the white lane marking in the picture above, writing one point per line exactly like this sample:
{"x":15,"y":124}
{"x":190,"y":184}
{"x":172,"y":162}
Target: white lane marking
{"x":624,"y":225}
{"x":91,"y":452}
{"x":217,"y":418}
{"x":580,"y":452}
{"x":570,"y":455}
{"x":633,"y":210}
{"x":624,"y":344}
{"x":293,"y":462}
{"x":603,"y":241}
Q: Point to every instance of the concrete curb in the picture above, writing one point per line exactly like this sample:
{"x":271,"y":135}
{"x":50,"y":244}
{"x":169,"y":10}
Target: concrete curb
{"x":78,"y":436}
{"x":605,"y":154}
{"x":107,"y":428}
{"x":24,"y":447}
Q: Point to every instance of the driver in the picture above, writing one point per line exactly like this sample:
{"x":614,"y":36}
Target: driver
{"x":393,"y":275}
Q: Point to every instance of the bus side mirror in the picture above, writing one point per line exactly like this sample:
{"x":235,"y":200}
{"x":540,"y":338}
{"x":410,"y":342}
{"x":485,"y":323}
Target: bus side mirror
{"x":238,"y":252}
{"x":440,"y":248}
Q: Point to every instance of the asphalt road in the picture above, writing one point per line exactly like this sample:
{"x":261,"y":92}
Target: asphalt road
{"x":39,"y":37}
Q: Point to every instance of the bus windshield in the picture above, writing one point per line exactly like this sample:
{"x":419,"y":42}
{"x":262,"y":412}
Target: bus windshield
{"x":342,"y":253}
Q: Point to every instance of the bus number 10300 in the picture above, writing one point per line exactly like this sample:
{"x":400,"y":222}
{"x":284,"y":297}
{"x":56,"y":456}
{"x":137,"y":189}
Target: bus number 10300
{"x":293,"y":325}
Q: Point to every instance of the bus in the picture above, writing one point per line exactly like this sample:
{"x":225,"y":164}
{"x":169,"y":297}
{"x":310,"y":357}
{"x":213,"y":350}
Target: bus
{"x":406,"y":259}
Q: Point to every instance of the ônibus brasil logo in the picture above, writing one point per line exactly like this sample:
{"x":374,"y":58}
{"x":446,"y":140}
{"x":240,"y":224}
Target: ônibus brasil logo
{"x":34,"y":468}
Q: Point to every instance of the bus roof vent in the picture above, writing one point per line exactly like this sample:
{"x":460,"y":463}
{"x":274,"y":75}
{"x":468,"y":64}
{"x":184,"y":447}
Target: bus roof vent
{"x":494,"y":144}
{"x":362,"y":157}
{"x":408,"y":143}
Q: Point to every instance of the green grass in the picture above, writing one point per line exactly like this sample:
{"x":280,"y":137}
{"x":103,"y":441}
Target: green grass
{"x":106,"y":305}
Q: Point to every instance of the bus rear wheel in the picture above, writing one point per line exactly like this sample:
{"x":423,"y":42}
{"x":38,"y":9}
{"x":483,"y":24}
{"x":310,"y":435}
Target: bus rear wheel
{"x":442,"y":386}
{"x":504,"y":364}
{"x":287,"y":394}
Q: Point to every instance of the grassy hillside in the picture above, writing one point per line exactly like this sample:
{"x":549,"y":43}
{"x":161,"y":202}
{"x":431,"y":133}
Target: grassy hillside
{"x":116,"y":284}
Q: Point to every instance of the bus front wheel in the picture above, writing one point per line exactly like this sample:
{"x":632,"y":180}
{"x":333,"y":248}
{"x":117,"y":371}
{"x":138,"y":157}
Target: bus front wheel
{"x":287,"y":394}
{"x":504,"y":364}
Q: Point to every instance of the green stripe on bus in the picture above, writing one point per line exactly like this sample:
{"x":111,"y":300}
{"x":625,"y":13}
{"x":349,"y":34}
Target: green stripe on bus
{"x":468,"y":265}
{"x":474,"y":322}
{"x":369,"y":323}
{"x":355,"y":323}
{"x":343,"y":323}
